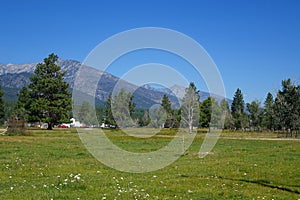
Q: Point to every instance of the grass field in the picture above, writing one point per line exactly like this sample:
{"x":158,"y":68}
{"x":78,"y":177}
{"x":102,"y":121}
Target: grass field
{"x":56,"y":165}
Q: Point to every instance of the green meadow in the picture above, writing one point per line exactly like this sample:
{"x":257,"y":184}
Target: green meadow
{"x":56,"y":165}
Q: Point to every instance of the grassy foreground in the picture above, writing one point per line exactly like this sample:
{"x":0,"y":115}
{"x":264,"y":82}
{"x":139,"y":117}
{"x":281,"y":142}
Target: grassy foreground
{"x":56,"y":165}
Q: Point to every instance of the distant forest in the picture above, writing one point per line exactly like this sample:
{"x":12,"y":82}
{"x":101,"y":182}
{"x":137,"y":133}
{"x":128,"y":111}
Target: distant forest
{"x":281,"y":112}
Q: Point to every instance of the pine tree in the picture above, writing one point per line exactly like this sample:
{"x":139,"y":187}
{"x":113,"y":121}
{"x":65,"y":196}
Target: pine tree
{"x":255,"y":114}
{"x":166,"y":106}
{"x":237,"y":110}
{"x":109,"y":118}
{"x":205,"y":113}
{"x":210,"y":114}
{"x":269,"y":117}
{"x":47,"y":98}
{"x":22,"y":106}
{"x":287,"y":106}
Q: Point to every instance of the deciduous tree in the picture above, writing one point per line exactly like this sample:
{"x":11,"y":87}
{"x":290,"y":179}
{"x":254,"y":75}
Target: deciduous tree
{"x":85,"y":114}
{"x":216,"y":115}
{"x":158,"y":116}
{"x":228,"y":121}
{"x":123,"y":108}
{"x":190,"y":108}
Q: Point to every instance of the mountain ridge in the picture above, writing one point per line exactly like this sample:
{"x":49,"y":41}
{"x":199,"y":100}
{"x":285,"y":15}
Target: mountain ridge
{"x":15,"y":76}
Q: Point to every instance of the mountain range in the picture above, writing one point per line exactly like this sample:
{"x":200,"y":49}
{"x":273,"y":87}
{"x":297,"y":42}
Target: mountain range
{"x":15,"y":76}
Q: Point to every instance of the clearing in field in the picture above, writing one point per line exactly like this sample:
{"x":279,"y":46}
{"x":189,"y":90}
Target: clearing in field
{"x":56,"y":165}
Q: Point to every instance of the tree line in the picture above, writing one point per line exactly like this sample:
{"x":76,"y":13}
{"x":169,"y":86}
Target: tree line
{"x":279,"y":113}
{"x":48,"y":99}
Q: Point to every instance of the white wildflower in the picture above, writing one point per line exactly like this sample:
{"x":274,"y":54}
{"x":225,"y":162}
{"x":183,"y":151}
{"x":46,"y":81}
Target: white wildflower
{"x":77,"y":177}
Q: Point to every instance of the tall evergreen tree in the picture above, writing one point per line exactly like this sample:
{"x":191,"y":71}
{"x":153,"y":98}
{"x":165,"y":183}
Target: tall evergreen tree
{"x":47,"y":97}
{"x":255,"y":114}
{"x":210,"y":114}
{"x":2,"y":108}
{"x":190,"y":108}
{"x":109,"y":118}
{"x":166,"y":106}
{"x":175,"y":118}
{"x":237,"y":110}
{"x":205,"y":113}
{"x":23,"y":103}
{"x":287,"y":105}
{"x":269,"y":117}
{"x":131,"y":104}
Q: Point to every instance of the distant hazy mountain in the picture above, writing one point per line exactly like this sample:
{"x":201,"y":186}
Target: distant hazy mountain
{"x":14,"y":76}
{"x":179,"y":92}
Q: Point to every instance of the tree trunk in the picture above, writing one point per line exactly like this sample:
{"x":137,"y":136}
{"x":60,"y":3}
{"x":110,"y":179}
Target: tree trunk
{"x":50,"y":126}
{"x":190,"y":127}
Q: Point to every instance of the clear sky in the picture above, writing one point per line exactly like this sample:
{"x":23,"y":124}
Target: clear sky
{"x":254,"y":43}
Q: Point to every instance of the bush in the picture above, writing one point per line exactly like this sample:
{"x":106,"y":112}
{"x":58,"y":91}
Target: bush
{"x":16,"y":126}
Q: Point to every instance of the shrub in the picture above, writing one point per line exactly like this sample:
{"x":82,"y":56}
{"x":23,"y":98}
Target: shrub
{"x":16,"y":126}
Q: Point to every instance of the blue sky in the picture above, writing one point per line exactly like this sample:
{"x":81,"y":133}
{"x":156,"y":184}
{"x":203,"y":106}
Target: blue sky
{"x":254,"y":43}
